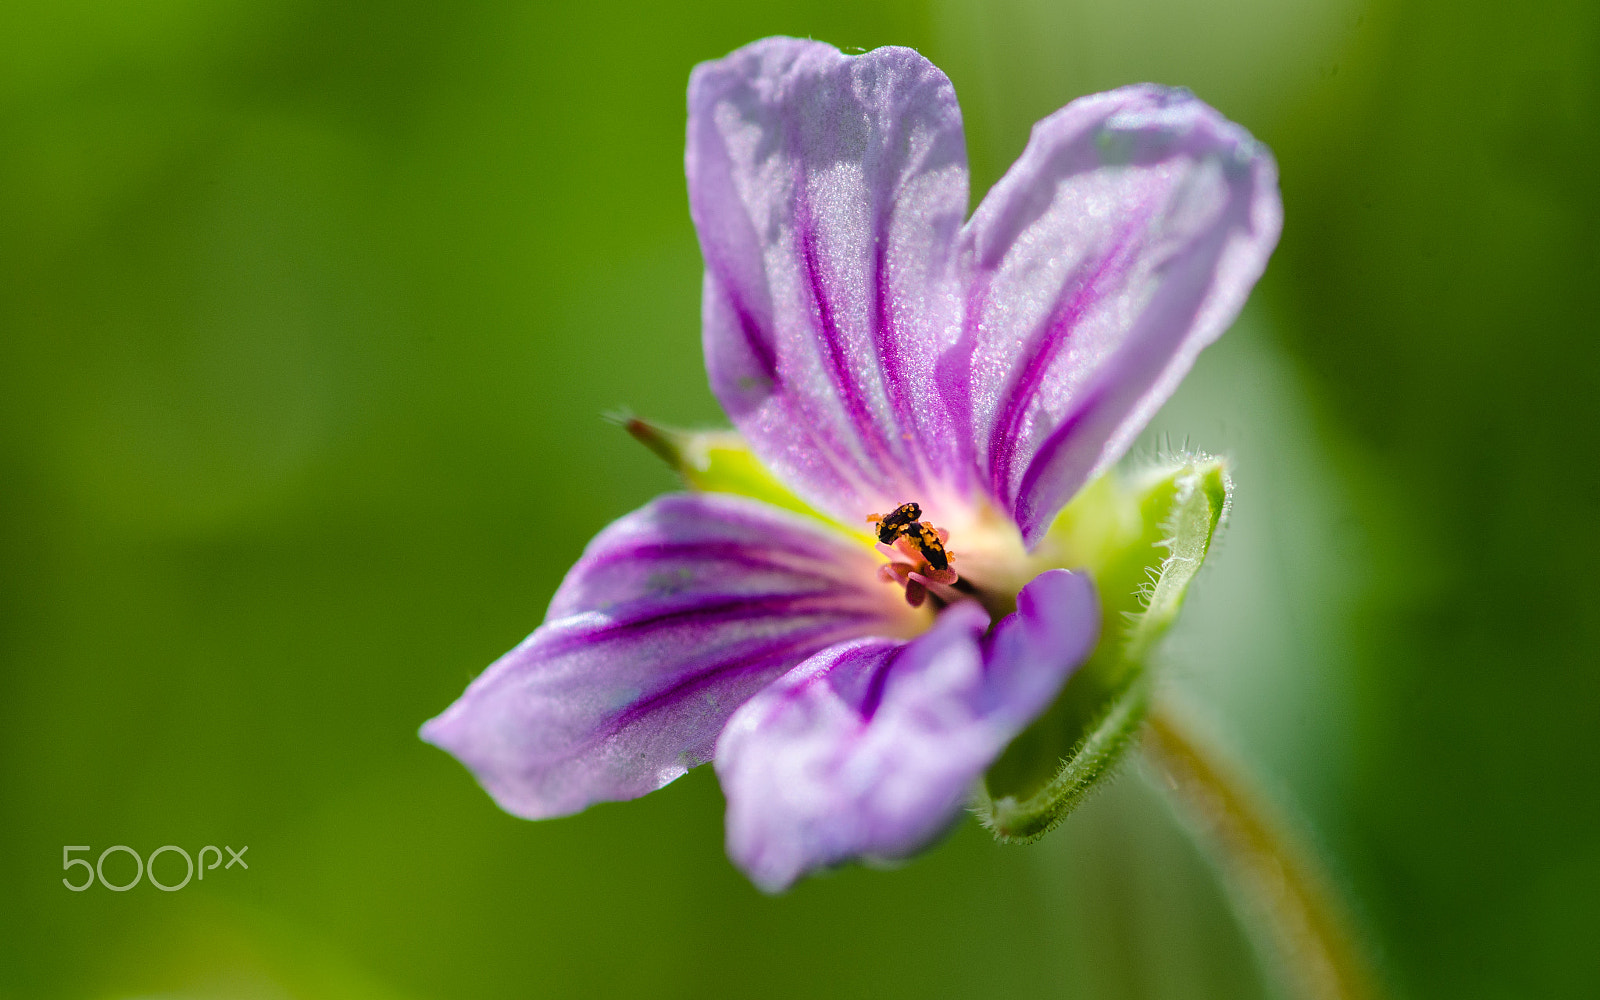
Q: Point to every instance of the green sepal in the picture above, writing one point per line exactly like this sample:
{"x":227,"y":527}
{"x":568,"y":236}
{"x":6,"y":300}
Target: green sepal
{"x":1142,"y":537}
{"x":719,"y":462}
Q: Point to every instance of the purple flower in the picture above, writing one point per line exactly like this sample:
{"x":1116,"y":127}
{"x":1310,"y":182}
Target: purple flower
{"x":876,"y":350}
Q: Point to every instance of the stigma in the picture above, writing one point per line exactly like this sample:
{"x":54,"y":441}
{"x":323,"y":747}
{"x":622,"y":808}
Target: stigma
{"x":918,"y":559}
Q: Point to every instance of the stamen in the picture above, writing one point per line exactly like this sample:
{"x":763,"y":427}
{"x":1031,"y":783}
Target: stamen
{"x":894,"y":573}
{"x":943,"y":592}
{"x":916,"y":593}
{"x":918,"y":559}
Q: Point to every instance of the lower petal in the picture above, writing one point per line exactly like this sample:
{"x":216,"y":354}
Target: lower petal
{"x":870,"y":748}
{"x":673,"y":616}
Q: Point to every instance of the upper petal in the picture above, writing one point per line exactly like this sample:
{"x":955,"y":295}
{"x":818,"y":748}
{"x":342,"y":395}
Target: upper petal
{"x":674,"y":615}
{"x":827,"y":191}
{"x":1125,"y":239}
{"x":869,"y":748}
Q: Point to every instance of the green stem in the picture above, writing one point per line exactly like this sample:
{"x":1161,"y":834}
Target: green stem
{"x":1282,"y":896}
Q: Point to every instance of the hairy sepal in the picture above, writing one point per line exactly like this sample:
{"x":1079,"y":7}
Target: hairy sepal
{"x":720,"y":461}
{"x":1142,"y":536}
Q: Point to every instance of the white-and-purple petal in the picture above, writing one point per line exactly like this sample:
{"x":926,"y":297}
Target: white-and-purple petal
{"x":1123,"y":240}
{"x":671,"y":619}
{"x":828,"y":191}
{"x":870,"y":748}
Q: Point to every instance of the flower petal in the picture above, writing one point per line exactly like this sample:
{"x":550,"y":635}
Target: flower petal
{"x":673,"y":616}
{"x":869,"y":748}
{"x":827,"y":191}
{"x":1124,"y":240}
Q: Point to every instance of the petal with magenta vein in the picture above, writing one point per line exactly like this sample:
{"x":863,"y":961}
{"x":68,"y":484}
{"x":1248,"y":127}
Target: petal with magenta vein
{"x":671,"y":619}
{"x":827,"y":191}
{"x":1123,"y":240}
{"x":870,"y":748}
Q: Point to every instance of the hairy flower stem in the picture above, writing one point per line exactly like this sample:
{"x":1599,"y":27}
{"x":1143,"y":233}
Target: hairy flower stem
{"x":1282,"y":896}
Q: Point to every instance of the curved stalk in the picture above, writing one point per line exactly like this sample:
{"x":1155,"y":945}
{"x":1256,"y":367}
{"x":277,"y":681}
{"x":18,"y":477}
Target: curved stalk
{"x":1282,"y":897}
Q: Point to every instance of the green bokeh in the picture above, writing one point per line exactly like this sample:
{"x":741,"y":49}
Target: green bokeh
{"x":307,"y":316}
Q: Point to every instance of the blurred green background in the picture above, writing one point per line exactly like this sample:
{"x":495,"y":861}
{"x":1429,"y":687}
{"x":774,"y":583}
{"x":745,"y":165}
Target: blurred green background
{"x":307,"y":315}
